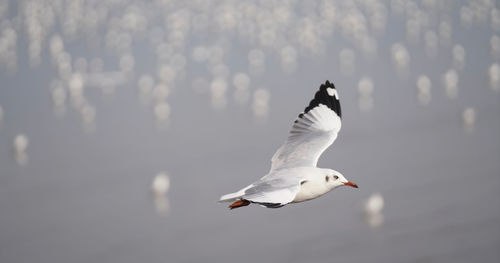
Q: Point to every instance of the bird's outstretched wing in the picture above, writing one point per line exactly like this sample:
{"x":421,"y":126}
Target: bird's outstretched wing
{"x":312,"y":132}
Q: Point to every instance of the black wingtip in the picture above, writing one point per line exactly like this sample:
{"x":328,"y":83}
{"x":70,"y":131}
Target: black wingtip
{"x":328,"y":96}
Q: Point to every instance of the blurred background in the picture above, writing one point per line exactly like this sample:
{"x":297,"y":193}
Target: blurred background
{"x":123,"y":121}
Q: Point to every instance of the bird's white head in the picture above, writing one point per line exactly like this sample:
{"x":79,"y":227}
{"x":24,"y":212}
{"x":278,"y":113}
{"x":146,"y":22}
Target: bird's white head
{"x":335,"y":179}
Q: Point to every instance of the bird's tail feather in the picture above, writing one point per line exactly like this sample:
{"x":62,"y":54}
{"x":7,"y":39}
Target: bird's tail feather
{"x":231,"y":197}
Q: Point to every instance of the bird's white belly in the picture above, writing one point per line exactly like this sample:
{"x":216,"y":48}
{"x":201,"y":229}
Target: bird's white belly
{"x":310,"y":190}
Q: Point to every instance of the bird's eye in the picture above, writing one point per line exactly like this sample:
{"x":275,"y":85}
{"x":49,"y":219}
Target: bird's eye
{"x":335,"y":177}
{"x":327,"y":178}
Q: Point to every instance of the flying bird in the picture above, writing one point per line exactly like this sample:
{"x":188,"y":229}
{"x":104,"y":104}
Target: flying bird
{"x":294,"y":176}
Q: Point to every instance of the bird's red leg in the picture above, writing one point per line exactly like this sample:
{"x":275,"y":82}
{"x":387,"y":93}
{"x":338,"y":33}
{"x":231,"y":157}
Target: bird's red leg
{"x":239,"y":203}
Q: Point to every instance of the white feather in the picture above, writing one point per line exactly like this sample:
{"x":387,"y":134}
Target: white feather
{"x":309,"y":138}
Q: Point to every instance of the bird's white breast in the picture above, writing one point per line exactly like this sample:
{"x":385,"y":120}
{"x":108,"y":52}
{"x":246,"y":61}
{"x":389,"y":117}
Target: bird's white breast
{"x":312,"y":188}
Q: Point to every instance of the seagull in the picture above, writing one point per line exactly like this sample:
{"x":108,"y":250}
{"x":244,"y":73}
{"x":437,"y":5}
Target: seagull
{"x":294,"y":177}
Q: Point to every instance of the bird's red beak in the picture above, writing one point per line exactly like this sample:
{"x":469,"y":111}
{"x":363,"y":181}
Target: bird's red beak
{"x":351,"y":184}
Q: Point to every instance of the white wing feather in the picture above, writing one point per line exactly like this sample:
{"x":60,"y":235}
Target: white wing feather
{"x":279,"y":192}
{"x":313,"y":131}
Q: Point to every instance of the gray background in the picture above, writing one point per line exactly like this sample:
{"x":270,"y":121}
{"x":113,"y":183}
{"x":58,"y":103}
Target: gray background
{"x":85,"y":196}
